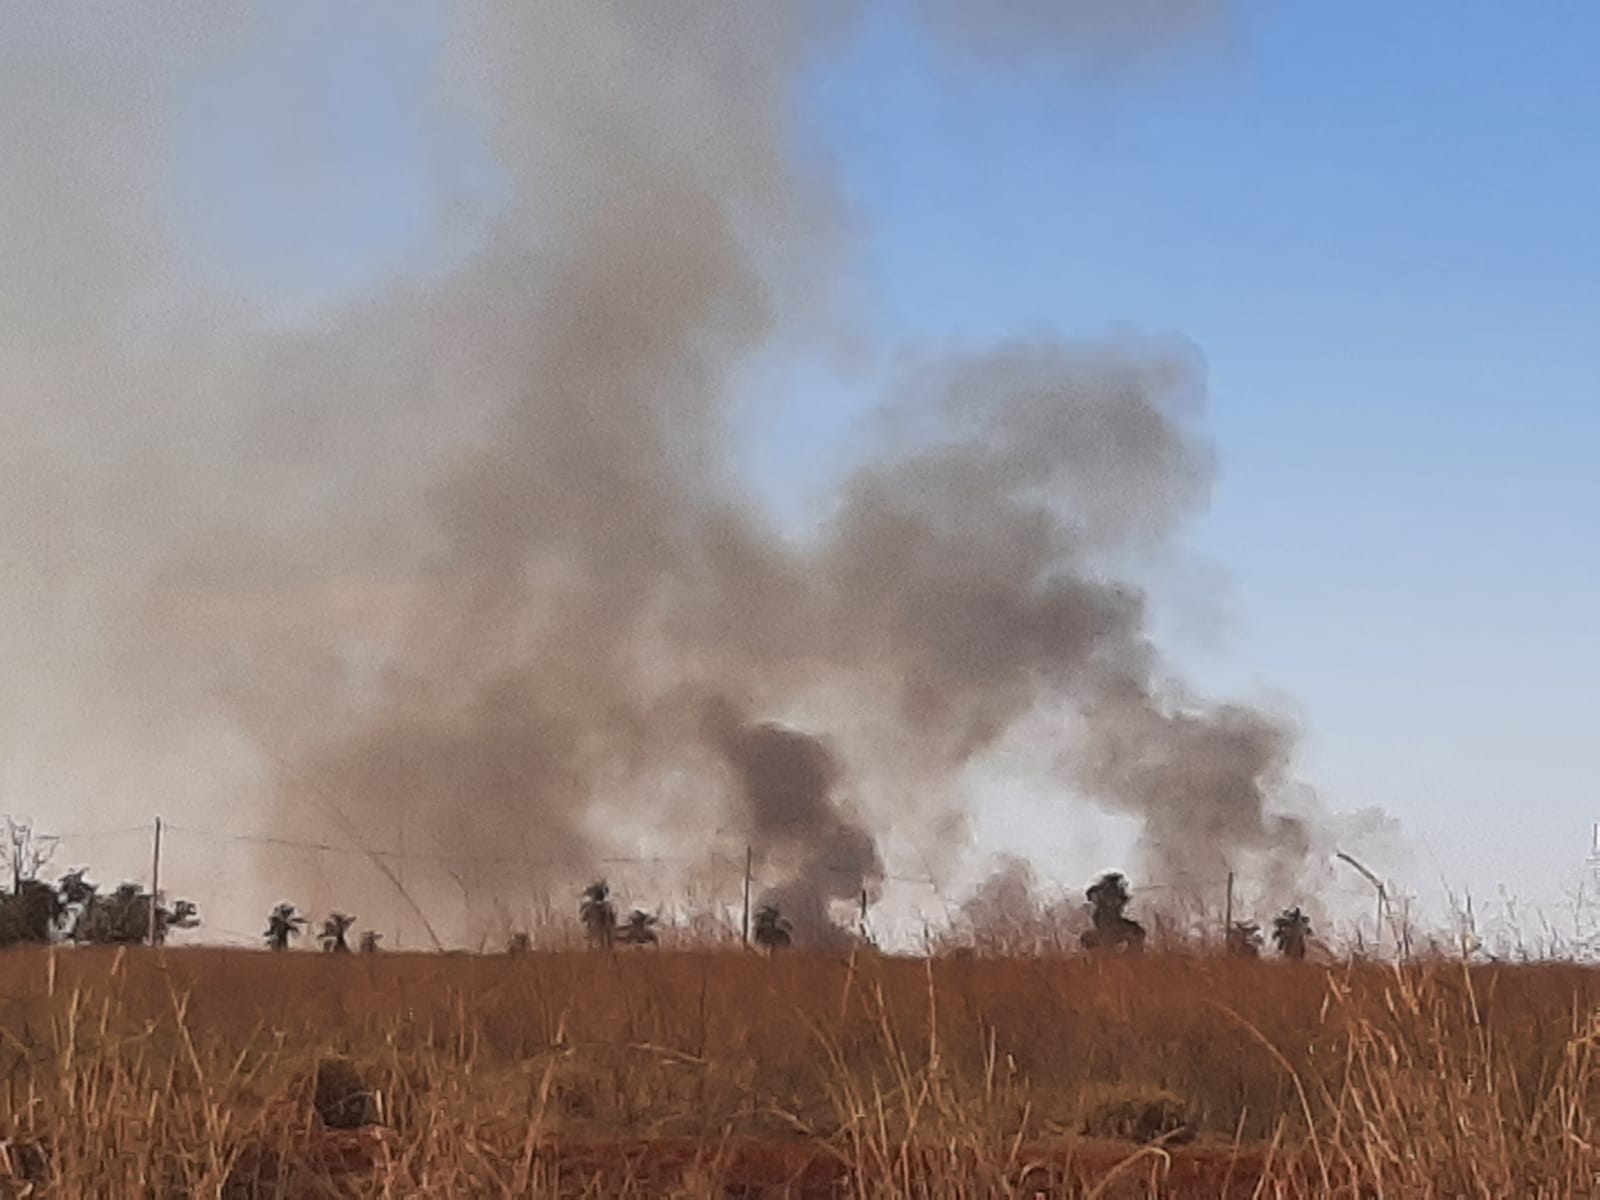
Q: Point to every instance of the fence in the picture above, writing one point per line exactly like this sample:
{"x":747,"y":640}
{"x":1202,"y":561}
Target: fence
{"x":419,"y":897}
{"x":216,"y":867}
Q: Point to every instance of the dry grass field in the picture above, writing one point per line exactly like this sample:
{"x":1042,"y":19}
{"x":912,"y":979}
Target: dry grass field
{"x":196,"y":1072}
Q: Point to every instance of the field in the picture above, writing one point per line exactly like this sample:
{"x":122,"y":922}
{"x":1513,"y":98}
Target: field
{"x":198,"y":1072}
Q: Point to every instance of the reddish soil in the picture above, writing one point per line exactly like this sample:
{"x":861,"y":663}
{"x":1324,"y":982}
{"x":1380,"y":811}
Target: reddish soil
{"x":800,"y":1170}
{"x":770,"y":1169}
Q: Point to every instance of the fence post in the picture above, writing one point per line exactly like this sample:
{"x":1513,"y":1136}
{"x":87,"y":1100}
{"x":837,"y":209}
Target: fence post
{"x":1227,"y":912}
{"x":1377,"y":929}
{"x":745,"y":924}
{"x":400,"y":875}
{"x":155,"y":885}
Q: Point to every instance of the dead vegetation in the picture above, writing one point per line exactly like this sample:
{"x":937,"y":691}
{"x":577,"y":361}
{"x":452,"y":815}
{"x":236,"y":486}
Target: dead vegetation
{"x":190,"y":1072}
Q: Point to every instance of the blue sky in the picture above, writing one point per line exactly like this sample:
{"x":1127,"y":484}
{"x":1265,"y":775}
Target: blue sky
{"x":1377,"y":221}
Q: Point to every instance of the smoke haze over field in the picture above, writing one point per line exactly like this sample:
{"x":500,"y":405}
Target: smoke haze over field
{"x":472,"y":558}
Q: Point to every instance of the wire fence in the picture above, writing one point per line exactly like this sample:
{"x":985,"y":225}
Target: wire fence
{"x":420,"y":895}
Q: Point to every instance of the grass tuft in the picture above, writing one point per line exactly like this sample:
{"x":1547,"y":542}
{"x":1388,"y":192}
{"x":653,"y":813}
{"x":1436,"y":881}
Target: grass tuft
{"x":190,"y":1072}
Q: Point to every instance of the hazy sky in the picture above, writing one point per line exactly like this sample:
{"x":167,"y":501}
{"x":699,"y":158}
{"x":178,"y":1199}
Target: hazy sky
{"x":1376,"y":221}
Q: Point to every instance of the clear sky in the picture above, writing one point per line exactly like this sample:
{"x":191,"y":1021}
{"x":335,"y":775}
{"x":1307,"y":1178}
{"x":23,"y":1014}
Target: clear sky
{"x":1377,"y":221}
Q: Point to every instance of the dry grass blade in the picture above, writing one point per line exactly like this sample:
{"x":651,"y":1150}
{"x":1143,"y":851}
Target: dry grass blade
{"x":1299,"y":1088}
{"x":700,"y":1073}
{"x":1111,"y":1176}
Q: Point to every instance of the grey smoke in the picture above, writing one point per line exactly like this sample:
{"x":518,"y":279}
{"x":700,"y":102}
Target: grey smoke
{"x":1004,"y":912}
{"x":470,"y":560}
{"x":813,"y":852}
{"x":1202,"y":777}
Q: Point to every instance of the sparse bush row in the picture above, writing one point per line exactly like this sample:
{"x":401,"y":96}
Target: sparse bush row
{"x":74,"y":910}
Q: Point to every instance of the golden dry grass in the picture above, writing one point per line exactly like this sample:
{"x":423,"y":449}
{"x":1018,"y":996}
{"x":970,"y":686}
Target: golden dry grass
{"x":709,"y":1073}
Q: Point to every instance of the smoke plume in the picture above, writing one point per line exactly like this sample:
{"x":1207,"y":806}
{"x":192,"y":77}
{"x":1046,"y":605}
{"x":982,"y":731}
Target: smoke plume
{"x":788,"y":784}
{"x":469,"y":565}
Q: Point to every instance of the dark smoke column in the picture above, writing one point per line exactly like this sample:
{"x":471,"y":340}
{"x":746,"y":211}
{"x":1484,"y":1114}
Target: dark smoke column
{"x":786,"y":782}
